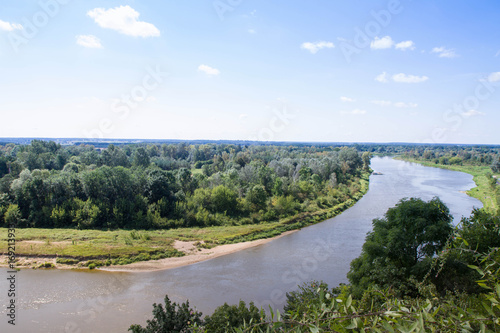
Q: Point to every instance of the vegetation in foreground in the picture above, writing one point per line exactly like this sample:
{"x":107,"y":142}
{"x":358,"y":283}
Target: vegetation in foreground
{"x":442,"y":280}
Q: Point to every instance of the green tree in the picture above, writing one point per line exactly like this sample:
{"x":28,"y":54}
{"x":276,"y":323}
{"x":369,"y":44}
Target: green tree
{"x":172,"y":318}
{"x":141,"y":158}
{"x":224,"y":200}
{"x":257,"y":196}
{"x":12,"y":216}
{"x":366,"y":157}
{"x":227,"y":318}
{"x":401,"y":246}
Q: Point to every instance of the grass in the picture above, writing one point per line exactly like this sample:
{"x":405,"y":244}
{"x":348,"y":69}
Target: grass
{"x":483,"y":191}
{"x":97,"y":248}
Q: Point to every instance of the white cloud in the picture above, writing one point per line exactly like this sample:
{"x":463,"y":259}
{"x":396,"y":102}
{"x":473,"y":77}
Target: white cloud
{"x":472,"y":113}
{"x":382,"y":103}
{"x":494,"y":77}
{"x":355,"y":111}
{"x":498,"y":53}
{"x":347,"y":99}
{"x":444,"y":52}
{"x":252,"y":31}
{"x":124,"y":20}
{"x":208,"y":70}
{"x":406,"y":45}
{"x":382,"y":43}
{"x":243,"y":116}
{"x":151,"y":99}
{"x":405,"y":105}
{"x":315,"y":47}
{"x":396,"y":104}
{"x":10,"y":26}
{"x":382,"y":78}
{"x":404,"y":78}
{"x":88,"y":41}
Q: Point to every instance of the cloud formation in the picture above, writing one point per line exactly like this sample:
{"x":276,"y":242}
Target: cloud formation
{"x":396,"y":104}
{"x":89,"y":41}
{"x":494,"y":77}
{"x":382,"y":43}
{"x":123,"y":19}
{"x":382,"y":78}
{"x":6,"y":26}
{"x":406,"y":45}
{"x":315,"y":47}
{"x":347,"y":99}
{"x":405,"y":78}
{"x":444,"y":52}
{"x":472,"y":113}
{"x":208,"y":70}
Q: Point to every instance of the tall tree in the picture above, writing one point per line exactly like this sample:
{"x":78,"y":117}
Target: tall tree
{"x":400,"y":245}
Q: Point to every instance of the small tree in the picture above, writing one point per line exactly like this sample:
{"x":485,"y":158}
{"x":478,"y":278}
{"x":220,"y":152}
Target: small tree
{"x":227,"y":318}
{"x":12,"y":216}
{"x":171,"y":319}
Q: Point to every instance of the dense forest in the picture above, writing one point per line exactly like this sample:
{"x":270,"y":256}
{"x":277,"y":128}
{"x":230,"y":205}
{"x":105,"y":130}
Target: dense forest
{"x":457,"y":155}
{"x":48,"y":185}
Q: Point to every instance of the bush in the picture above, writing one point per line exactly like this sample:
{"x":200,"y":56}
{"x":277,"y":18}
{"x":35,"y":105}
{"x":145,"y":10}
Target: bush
{"x":172,"y":318}
{"x":227,"y":318}
{"x":67,"y":261}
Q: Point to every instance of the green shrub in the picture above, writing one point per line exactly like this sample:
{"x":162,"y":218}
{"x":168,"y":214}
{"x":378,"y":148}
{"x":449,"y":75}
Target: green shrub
{"x":67,"y":261}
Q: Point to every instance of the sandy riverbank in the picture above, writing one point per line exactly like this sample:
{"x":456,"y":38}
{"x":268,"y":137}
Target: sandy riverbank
{"x":193,"y":254}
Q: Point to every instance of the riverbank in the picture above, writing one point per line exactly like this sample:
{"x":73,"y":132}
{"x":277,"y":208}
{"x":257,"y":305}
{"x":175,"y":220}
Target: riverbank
{"x":71,"y":248}
{"x":193,"y":254}
{"x":483,"y":192}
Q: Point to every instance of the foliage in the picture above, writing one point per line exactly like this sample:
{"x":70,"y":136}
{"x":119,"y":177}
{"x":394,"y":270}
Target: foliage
{"x":227,"y":318}
{"x":172,"y":318}
{"x":154,"y":187}
{"x":401,"y":246}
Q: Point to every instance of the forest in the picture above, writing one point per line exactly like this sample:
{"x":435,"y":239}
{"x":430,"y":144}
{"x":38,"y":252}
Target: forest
{"x":47,"y":185}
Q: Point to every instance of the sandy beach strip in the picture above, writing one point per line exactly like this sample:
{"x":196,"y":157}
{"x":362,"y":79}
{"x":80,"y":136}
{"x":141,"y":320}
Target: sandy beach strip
{"x":193,"y":255}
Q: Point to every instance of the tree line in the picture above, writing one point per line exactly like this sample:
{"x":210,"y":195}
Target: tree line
{"x":48,"y":185}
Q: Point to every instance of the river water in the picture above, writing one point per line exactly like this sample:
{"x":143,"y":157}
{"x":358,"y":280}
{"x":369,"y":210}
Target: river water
{"x":96,"y":301}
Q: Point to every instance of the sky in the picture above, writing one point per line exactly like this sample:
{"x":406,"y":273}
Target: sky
{"x":269,"y":70}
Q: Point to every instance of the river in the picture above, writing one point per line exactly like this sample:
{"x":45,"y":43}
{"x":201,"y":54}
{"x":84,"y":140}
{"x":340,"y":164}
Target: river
{"x":97,"y":301}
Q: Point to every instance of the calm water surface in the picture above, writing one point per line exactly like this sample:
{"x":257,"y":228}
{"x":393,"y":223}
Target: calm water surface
{"x":69,"y":301}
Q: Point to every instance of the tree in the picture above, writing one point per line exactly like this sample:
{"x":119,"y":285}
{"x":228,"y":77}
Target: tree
{"x":224,"y":200}
{"x":227,"y":318}
{"x":171,"y":319}
{"x":366,"y":160}
{"x":257,"y":196}
{"x":141,"y":158}
{"x":12,"y":216}
{"x":401,"y":246}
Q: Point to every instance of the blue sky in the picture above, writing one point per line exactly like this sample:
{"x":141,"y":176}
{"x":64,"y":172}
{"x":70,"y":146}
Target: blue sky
{"x":330,"y":71}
